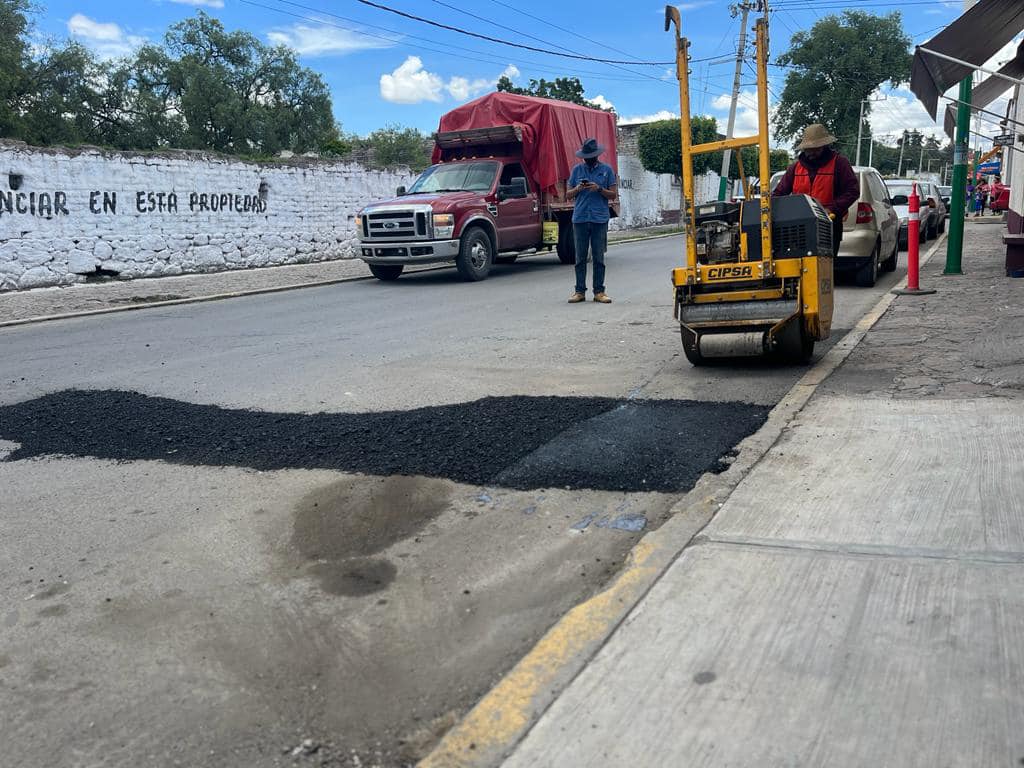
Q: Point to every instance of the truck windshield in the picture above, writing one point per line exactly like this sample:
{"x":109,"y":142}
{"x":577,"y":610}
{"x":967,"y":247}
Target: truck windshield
{"x":456,"y":177}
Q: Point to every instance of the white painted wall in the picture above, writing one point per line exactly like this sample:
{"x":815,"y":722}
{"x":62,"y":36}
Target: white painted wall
{"x":61,"y":221}
{"x":64,"y":213}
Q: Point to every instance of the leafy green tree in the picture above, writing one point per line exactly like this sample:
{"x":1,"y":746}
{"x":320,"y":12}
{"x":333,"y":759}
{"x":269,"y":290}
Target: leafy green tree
{"x":836,"y":64}
{"x":394,"y":145}
{"x":14,"y":64}
{"x":660,"y":150}
{"x":238,"y":95}
{"x":561,"y":88}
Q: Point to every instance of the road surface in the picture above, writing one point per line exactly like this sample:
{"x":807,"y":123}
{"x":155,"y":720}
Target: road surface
{"x":334,"y":516}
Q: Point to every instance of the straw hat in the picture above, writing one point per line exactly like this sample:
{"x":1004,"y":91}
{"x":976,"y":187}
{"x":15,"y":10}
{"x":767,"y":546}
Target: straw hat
{"x":816,"y":135}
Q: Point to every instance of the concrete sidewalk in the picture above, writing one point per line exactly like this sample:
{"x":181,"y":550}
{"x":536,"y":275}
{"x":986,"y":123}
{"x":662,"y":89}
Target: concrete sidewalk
{"x":859,"y":598}
{"x":114,"y":295}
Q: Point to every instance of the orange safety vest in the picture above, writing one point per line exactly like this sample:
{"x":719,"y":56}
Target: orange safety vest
{"x":822,"y":188}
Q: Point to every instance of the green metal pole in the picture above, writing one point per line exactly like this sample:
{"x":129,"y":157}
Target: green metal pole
{"x":723,"y":188}
{"x":955,"y":244}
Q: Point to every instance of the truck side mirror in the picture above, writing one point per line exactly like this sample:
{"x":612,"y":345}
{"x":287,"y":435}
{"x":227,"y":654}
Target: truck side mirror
{"x":400,"y":191}
{"x":514,"y":189}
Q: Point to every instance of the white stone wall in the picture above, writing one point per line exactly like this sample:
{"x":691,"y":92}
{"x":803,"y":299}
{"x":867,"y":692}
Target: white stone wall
{"x":645,"y":196}
{"x":65,"y":213}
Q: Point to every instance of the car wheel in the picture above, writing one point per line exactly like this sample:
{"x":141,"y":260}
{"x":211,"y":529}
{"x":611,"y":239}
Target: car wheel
{"x":566,"y":243}
{"x":386,"y":272}
{"x":475,"y":255}
{"x":889,"y":265}
{"x":867,"y":275}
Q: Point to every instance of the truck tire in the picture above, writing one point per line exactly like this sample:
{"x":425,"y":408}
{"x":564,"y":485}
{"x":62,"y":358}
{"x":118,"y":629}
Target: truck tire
{"x":386,"y":271}
{"x":566,"y":243}
{"x":475,"y":255}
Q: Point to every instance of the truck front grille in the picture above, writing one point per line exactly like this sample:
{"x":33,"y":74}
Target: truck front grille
{"x":395,"y":225}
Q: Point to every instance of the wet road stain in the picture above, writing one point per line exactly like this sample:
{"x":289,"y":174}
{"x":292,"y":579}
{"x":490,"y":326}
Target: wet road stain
{"x":354,"y":577}
{"x":516,"y":442}
{"x":355,"y":518}
{"x":337,"y":528}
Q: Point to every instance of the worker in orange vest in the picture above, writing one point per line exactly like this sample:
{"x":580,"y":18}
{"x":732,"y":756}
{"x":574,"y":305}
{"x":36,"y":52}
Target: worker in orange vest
{"x":825,"y":175}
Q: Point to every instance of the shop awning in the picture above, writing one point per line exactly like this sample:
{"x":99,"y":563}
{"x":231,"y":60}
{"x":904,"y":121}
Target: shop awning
{"x":972,"y":40}
{"x":989,"y":89}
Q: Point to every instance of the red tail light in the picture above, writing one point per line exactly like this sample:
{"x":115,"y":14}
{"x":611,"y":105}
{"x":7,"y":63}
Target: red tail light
{"x":865,"y":213}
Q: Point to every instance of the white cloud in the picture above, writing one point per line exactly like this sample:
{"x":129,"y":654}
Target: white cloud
{"x":662,"y":114}
{"x":746,"y":112}
{"x":107,"y":39}
{"x":82,"y":26}
{"x":462,"y":88}
{"x":410,"y":83}
{"x":602,"y":102}
{"x":324,"y":40}
{"x":692,"y":6}
{"x":201,"y":3}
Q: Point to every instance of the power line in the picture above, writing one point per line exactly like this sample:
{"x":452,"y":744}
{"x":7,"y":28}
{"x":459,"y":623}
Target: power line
{"x":492,"y":59}
{"x":499,"y":41}
{"x":531,"y":37}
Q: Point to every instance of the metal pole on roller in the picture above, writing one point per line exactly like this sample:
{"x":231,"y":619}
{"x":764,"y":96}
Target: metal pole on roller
{"x":958,"y":195}
{"x":743,"y":8}
{"x":914,"y":248}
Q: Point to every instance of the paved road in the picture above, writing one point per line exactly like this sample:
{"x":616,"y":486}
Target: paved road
{"x":209,"y":595}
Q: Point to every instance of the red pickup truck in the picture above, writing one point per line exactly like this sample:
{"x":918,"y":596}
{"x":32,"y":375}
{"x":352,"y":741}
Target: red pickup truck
{"x":501,"y":163}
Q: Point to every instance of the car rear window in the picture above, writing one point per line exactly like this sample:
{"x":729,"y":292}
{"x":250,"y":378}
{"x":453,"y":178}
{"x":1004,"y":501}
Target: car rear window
{"x":899,"y":189}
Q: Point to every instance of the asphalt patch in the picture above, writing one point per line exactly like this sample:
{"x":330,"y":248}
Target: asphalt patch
{"x":516,"y":442}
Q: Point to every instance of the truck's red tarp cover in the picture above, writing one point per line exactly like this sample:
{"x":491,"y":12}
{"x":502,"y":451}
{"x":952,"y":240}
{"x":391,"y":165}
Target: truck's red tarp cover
{"x":552,"y":131}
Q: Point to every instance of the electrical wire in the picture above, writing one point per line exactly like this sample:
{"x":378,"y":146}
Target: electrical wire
{"x":500,"y":41}
{"x":523,"y":34}
{"x":531,"y":66}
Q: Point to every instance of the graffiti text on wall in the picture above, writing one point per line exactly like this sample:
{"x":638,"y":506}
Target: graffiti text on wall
{"x":49,"y":205}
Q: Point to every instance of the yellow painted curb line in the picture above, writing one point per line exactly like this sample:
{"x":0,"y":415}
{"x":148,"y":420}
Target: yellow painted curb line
{"x":500,"y":720}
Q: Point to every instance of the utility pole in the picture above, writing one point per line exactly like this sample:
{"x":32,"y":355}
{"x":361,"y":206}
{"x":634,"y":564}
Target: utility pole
{"x":920,"y":161}
{"x":743,"y":9}
{"x":871,"y":150}
{"x":899,"y":166}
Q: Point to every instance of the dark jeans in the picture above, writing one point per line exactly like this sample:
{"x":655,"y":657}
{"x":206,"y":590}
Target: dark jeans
{"x":837,"y":235}
{"x":592,"y":237}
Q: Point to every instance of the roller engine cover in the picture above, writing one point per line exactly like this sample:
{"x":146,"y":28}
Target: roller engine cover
{"x":800,"y":227}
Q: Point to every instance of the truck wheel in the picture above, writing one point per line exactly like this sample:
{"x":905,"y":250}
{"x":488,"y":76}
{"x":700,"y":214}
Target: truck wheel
{"x":566,"y":243}
{"x":475,"y":255}
{"x":867,"y":275}
{"x":386,"y":271}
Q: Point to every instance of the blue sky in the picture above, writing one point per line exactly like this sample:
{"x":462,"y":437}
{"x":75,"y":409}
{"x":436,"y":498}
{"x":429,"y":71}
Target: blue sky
{"x":384,"y":69}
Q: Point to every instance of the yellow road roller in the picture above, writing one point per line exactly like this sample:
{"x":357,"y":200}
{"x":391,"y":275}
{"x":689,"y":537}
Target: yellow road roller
{"x":758,"y":275}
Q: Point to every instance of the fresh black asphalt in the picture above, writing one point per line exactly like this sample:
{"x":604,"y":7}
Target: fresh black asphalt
{"x":514,"y":442}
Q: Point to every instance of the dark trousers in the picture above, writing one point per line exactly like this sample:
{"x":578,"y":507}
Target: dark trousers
{"x":837,"y":235}
{"x":591,"y":237}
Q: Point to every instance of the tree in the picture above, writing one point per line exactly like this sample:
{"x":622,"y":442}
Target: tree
{"x":394,"y":145}
{"x":561,"y":88}
{"x":14,"y":63}
{"x":660,"y":150}
{"x":838,"y":63}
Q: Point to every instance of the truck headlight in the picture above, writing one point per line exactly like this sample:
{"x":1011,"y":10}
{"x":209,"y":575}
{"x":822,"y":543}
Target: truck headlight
{"x":359,"y":224}
{"x":444,"y":225}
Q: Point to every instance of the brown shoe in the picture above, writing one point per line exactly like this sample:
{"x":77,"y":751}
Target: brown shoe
{"x":576,"y":298}
{"x":602,"y":298}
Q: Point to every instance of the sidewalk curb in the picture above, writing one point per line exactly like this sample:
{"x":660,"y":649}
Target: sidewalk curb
{"x":252,"y":292}
{"x":502,"y":718}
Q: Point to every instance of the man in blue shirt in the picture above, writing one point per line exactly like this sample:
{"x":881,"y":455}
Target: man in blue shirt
{"x":591,"y":185}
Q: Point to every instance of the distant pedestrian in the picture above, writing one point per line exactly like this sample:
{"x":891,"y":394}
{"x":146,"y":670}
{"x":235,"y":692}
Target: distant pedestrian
{"x":995,"y":198}
{"x":983,"y":193}
{"x":825,"y":175}
{"x":591,"y":186}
